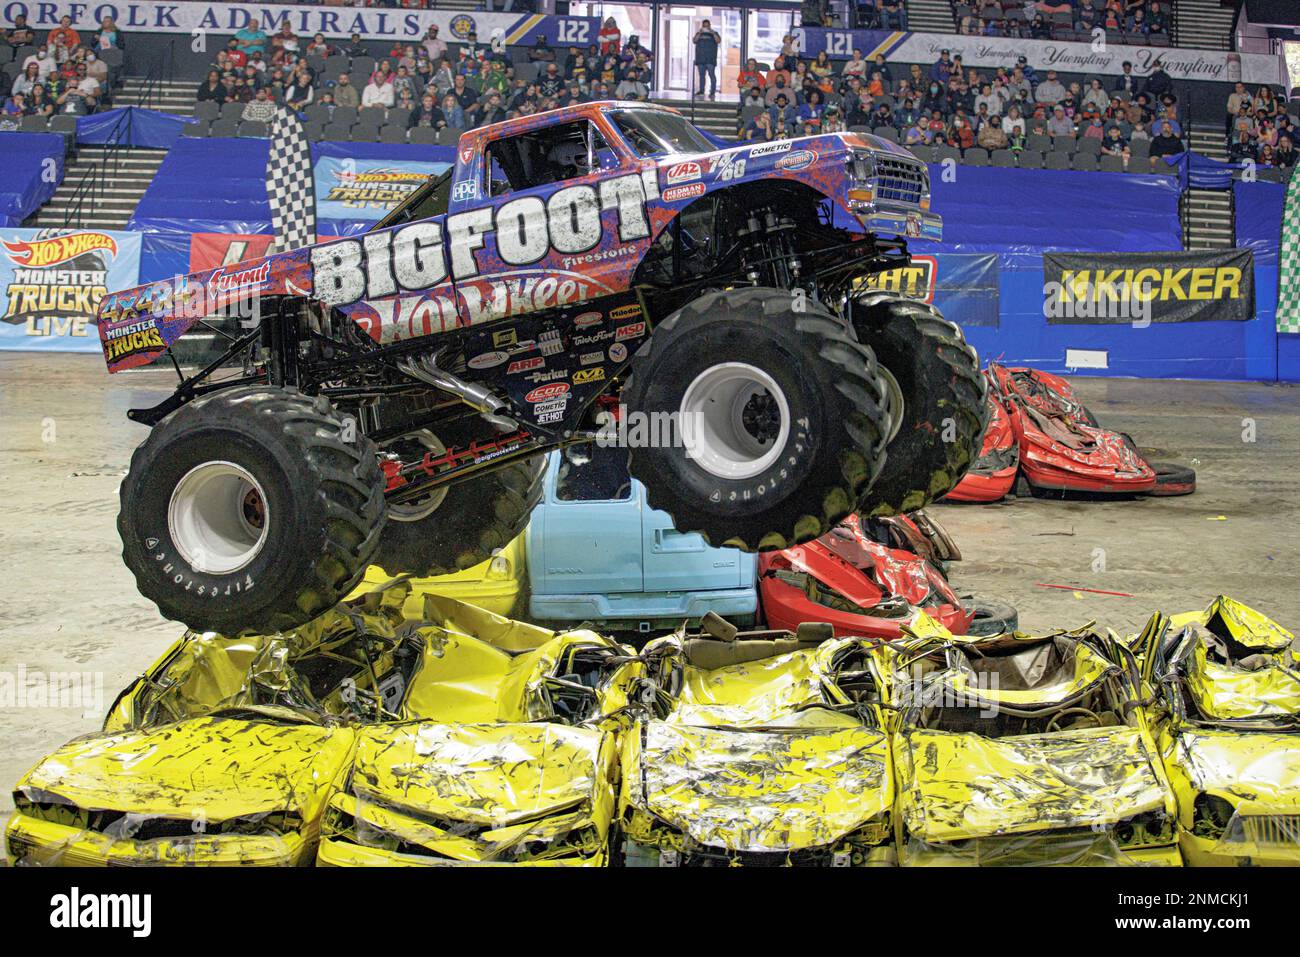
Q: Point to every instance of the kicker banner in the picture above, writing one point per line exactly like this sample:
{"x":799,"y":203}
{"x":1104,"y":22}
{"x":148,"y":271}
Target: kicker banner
{"x":962,"y":286}
{"x":51,"y":282}
{"x":1141,"y":288}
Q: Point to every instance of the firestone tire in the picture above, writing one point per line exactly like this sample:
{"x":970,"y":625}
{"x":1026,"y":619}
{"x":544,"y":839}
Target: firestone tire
{"x":250,"y":511}
{"x":475,"y":519}
{"x":945,"y":411}
{"x":784,"y":413}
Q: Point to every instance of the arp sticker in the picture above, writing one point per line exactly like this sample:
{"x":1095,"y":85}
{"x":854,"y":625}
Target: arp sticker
{"x":525,"y":365}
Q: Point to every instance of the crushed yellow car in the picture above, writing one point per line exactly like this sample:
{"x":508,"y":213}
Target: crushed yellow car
{"x":495,"y":584}
{"x":1022,"y":750}
{"x":506,"y":754}
{"x":758,"y":748}
{"x":1226,"y":688}
{"x":224,"y":752}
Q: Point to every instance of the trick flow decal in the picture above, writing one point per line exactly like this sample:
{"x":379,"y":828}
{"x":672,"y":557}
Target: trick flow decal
{"x":527,"y":230}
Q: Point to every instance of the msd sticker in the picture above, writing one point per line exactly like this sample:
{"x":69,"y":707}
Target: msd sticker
{"x":683,"y":172}
{"x":633,"y":331}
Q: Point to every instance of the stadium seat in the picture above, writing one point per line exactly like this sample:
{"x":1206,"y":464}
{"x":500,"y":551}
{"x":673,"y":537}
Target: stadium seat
{"x":976,"y":156}
{"x":942,"y":153}
{"x":924,"y":153}
{"x":226,"y":126}
{"x":337,"y":132}
{"x":1057,"y":160}
{"x":232,"y":111}
{"x":344,"y":114}
{"x":34,"y":124}
{"x":63,"y":123}
{"x":1140,"y":149}
{"x":254,"y":128}
{"x":200,"y":129}
{"x":427,"y":136}
{"x":316,"y":63}
{"x":207,"y":110}
{"x":1038,"y":141}
{"x":1064,"y":143}
{"x":1004,"y":158}
{"x":887,"y":133}
{"x":371,"y":116}
{"x":362,"y":67}
{"x":315,"y":130}
{"x":1084,"y":161}
{"x":112,"y":56}
{"x":1088,"y":144}
{"x":1030,"y":159}
{"x":748,"y":114}
{"x":393,"y":133}
{"x":852,"y":129}
{"x":443,"y":137}
{"x":1110,"y":164}
{"x":6,"y":53}
{"x":317,"y":112}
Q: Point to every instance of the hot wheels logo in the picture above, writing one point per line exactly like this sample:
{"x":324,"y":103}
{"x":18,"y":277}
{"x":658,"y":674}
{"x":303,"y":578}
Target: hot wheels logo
{"x":39,"y":253}
{"x":552,"y":390}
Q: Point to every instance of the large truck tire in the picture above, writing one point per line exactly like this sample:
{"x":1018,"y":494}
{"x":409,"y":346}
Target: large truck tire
{"x":936,"y":377}
{"x":251,"y":510}
{"x":460,"y":525}
{"x":779,"y":412}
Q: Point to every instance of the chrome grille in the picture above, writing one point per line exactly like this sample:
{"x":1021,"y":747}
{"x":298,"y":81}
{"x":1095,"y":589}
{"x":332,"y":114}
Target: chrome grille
{"x":899,"y":180}
{"x":1271,"y":828}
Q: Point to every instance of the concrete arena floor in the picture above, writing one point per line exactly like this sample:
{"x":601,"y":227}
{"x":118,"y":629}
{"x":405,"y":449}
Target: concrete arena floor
{"x":69,"y":604}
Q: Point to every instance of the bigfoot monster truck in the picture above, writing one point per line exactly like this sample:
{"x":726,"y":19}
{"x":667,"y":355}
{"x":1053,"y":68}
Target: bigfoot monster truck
{"x":392,"y":398}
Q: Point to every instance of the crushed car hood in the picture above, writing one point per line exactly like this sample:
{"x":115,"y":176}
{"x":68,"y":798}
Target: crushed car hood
{"x":763,"y":791}
{"x":960,"y":786}
{"x":1259,"y":770}
{"x":221,"y":768}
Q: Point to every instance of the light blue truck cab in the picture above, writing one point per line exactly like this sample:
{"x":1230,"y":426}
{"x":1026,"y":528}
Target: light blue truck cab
{"x":598,"y":552}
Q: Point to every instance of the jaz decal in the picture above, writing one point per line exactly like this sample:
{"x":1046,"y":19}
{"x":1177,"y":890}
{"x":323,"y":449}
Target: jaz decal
{"x":683,"y":172}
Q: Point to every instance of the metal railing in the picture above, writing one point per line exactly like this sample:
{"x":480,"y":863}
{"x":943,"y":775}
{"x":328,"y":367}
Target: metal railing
{"x":94,"y":181}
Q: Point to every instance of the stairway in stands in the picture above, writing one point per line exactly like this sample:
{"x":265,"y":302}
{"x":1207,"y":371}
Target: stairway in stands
{"x":1202,"y":23}
{"x":930,"y":16}
{"x":1208,"y":218}
{"x":169,"y":96}
{"x":717,"y":117}
{"x":135,"y":169}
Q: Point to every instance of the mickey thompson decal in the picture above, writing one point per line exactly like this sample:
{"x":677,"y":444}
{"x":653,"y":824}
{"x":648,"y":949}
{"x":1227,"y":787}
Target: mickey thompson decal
{"x":413,"y":258}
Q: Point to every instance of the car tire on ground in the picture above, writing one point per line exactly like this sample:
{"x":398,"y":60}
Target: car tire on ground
{"x":251,"y":510}
{"x":992,"y":616}
{"x":945,"y":412}
{"x":782,"y":409}
{"x":470,"y":520}
{"x":1173,"y":479}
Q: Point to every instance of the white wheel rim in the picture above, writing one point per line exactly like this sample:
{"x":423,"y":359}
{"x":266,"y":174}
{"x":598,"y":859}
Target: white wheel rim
{"x":424,"y":507}
{"x":218,"y":517}
{"x":717,"y":419}
{"x":893,"y":401}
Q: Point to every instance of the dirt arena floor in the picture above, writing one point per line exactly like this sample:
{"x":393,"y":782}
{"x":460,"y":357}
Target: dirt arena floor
{"x":68,"y":604}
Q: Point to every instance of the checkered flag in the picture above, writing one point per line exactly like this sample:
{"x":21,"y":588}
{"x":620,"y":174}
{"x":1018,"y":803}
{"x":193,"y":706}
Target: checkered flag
{"x":1288,"y":289}
{"x":289,"y":183}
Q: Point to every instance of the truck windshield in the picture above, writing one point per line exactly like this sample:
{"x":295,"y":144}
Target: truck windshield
{"x":431,"y":199}
{"x":658,"y":133}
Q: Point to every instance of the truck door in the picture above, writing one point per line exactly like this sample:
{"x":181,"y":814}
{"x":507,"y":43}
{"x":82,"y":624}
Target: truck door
{"x":683,"y":561}
{"x":585,"y":537}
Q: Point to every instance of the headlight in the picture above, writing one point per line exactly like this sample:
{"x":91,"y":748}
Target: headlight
{"x":1211,"y":815}
{"x":862,"y":167}
{"x":499,"y":567}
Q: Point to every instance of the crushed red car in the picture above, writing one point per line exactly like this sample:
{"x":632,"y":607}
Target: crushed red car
{"x":870,"y":577}
{"x":1058,"y":446}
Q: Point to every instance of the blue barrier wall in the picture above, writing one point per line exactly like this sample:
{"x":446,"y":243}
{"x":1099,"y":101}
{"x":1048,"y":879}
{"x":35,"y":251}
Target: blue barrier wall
{"x":26,"y":185}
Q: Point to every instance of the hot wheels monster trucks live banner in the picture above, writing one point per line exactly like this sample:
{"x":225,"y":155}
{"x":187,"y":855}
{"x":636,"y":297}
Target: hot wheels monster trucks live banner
{"x":1126,"y":288}
{"x":51,"y":282}
{"x":367,"y":189}
{"x":168,"y":16}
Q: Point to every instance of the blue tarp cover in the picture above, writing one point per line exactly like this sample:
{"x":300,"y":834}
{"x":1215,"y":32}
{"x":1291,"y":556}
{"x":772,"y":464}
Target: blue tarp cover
{"x":29,"y":178}
{"x":132,"y":126}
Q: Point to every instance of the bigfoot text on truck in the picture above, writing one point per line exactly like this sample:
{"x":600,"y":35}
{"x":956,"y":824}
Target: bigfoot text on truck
{"x":393,"y":396}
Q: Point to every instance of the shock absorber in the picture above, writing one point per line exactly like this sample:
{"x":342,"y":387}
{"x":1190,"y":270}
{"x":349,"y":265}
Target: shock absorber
{"x":769,"y":256}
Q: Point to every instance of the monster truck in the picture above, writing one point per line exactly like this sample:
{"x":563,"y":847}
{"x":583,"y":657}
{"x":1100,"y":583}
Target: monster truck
{"x":388,"y":397}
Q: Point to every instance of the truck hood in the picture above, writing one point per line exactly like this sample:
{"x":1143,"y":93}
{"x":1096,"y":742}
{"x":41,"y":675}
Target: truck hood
{"x":763,"y":790}
{"x":959,"y":786}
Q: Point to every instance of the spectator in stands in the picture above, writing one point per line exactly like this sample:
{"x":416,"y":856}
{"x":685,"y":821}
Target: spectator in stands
{"x":493,"y":111}
{"x":355,"y":47}
{"x":1242,"y":148}
{"x":285,"y":40}
{"x":65,"y":33}
{"x":777,"y":88}
{"x":466,"y":96}
{"x":38,"y":104}
{"x":301,"y":91}
{"x":610,"y":37}
{"x":16,"y":104}
{"x":260,"y":109}
{"x":941,"y":69}
{"x":1050,"y":91}
{"x":992,"y":99}
{"x":345,"y":92}
{"x":232,"y":56}
{"x":550,"y":82}
{"x":784,"y":116}
{"x":211,"y":89}
{"x":1060,"y":124}
{"x":833,"y":120}
{"x":919,"y":133}
{"x":632,"y":87}
{"x":1013,"y":123}
{"x":540,"y":51}
{"x":108,"y":36}
{"x":97,"y":68}
{"x":453,"y":112}
{"x":961,"y":134}
{"x":1285,"y":154}
{"x":29,"y":78}
{"x":1158,"y":82}
{"x":759,"y":128}
{"x":935,"y":99}
{"x":427,"y":114}
{"x":750,"y":76}
{"x":45,"y":64}
{"x":707,"y":42}
{"x":443,"y":77}
{"x":319,"y":46}
{"x":379,"y":91}
{"x":21,"y":35}
{"x":403,"y":82}
{"x":1164,"y":144}
{"x":252,"y":39}
{"x":436,"y":48}
{"x":893,"y":14}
